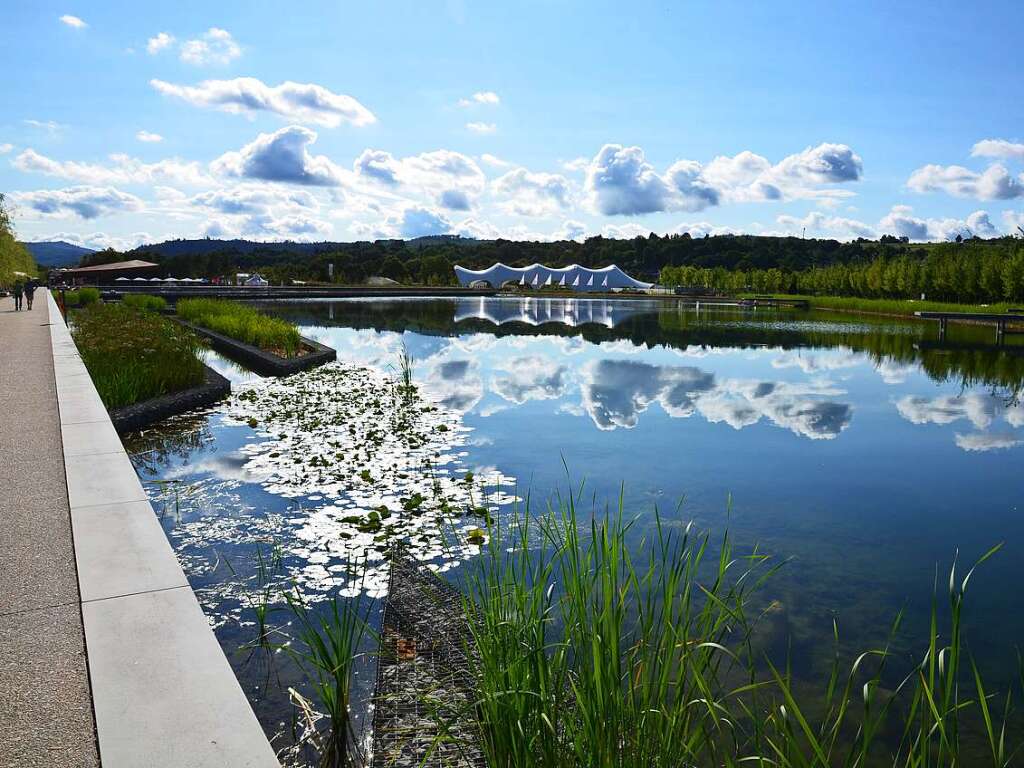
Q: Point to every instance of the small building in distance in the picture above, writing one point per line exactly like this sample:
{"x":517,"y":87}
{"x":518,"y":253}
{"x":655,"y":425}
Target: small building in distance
{"x":573,"y":277}
{"x":105,"y":274}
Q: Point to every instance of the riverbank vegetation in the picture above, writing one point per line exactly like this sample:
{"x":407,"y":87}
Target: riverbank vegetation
{"x":133,"y":355}
{"x":904,"y":307}
{"x":79,"y":297}
{"x":145,"y":302}
{"x":242,"y":323}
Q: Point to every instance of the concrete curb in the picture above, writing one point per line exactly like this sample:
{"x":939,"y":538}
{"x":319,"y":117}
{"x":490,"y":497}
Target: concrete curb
{"x":262,"y":362}
{"x":163,"y":692}
{"x":214,"y":387}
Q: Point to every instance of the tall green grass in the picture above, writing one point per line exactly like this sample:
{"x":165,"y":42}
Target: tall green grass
{"x":80,"y":297}
{"x":242,"y":323}
{"x":145,"y":302}
{"x":133,"y":355}
{"x":594,"y":651}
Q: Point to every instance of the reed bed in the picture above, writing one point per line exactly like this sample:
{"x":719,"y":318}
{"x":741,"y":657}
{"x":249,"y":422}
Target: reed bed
{"x":80,"y":297}
{"x":133,"y":355}
{"x":144,"y":302}
{"x":242,"y":323}
{"x":599,"y":653}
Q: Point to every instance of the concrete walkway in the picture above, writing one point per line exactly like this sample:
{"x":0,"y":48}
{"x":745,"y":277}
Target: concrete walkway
{"x":45,"y":701}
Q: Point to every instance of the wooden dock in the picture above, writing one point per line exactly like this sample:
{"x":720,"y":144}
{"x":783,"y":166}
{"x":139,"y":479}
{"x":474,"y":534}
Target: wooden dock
{"x":999,"y":319}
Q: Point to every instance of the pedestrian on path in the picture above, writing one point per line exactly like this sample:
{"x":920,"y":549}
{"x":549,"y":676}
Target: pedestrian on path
{"x":19,"y":290}
{"x":30,"y":290}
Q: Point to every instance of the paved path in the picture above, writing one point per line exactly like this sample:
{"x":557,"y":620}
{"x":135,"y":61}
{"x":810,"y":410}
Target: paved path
{"x":45,"y":702}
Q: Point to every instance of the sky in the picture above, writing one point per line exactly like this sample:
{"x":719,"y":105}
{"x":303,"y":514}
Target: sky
{"x":123,"y":123}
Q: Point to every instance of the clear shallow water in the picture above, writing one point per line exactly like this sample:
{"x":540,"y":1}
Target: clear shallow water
{"x":861,"y":449}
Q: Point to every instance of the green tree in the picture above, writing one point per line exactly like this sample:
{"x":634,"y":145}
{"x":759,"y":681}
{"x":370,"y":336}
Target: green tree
{"x":14,"y":257}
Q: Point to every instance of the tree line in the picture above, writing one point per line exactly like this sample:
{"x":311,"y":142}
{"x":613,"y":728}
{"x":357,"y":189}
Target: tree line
{"x":14,"y":257}
{"x":965,"y":274}
{"x":972,"y":270}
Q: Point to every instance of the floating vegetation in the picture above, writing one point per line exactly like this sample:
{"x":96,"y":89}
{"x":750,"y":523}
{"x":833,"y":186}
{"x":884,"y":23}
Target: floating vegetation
{"x":363,"y":464}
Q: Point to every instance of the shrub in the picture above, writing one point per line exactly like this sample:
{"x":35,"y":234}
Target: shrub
{"x":145,"y":302}
{"x":134,"y":355}
{"x":88,"y":295}
{"x":242,"y":323}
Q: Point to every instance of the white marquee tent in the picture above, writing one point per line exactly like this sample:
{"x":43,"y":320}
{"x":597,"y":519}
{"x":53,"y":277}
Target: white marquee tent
{"x":576,"y":277}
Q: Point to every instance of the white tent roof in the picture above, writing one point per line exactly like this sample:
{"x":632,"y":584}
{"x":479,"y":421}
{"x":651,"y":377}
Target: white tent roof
{"x":580,"y":278}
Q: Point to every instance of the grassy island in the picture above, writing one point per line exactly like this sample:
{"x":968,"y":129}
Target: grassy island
{"x":134,"y":355}
{"x":242,"y":323}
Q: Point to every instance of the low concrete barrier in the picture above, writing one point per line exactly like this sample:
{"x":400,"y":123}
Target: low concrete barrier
{"x":163,"y":691}
{"x":265,"y":363}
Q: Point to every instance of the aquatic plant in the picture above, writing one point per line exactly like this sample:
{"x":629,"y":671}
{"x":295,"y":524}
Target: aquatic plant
{"x":144,"y":301}
{"x":133,"y":355}
{"x":591,"y":651}
{"x":331,"y":640}
{"x":243,"y":323}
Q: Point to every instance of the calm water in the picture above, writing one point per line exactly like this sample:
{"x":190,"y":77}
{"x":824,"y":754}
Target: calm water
{"x":862,"y":449}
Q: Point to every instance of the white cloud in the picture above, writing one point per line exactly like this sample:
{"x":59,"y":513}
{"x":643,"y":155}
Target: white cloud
{"x":994,"y":183}
{"x":5,"y":148}
{"x":576,"y":164}
{"x":481,"y":97}
{"x":122,"y":170}
{"x":532,"y":194}
{"x":101,"y":240}
{"x":158,"y":43}
{"x":900,"y":221}
{"x":149,"y":138}
{"x":215,"y":46}
{"x":88,"y":202}
{"x":50,"y":126}
{"x":998,"y":148}
{"x":494,"y":162}
{"x":280,"y":156}
{"x":451,"y":177}
{"x":620,"y":181}
{"x":481,"y":127}
{"x":817,"y":222}
{"x":298,"y":102}
{"x":982,"y":441}
{"x":73,"y":21}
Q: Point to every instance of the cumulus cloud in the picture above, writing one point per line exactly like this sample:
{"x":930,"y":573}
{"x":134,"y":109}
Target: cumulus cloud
{"x":838,"y":226}
{"x":571,"y":230}
{"x":1001,"y":148}
{"x":215,"y":46}
{"x":297,"y":102}
{"x":159,"y":42}
{"x":616,"y":392}
{"x":98,"y":241}
{"x":994,"y":183}
{"x":280,"y":156}
{"x":982,"y":441}
{"x":493,"y":161}
{"x":980,"y":410}
{"x":148,"y":137}
{"x":620,"y":181}
{"x":122,"y":169}
{"x":902,"y":222}
{"x":6,"y":148}
{"x":480,"y":127}
{"x":88,"y":202}
{"x":531,"y":377}
{"x":481,"y":97}
{"x":455,"y":200}
{"x":532,"y":194}
{"x":438,"y":175}
{"x":417,"y":221}
{"x":73,"y":21}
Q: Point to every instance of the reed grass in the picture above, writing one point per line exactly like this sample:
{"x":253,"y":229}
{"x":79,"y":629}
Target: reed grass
{"x":145,"y":302}
{"x":332,"y":639}
{"x":133,"y":355}
{"x":594,"y":651}
{"x":242,"y":323}
{"x":80,"y":297}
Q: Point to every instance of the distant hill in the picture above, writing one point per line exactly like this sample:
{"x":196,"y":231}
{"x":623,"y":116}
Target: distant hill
{"x":56,"y":253}
{"x":205,"y":246}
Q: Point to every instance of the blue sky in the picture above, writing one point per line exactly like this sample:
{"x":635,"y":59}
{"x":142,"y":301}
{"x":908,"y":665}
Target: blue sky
{"x":125,"y":122}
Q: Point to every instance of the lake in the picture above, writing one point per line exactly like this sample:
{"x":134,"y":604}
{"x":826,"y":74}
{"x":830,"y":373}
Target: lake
{"x":859,"y":449}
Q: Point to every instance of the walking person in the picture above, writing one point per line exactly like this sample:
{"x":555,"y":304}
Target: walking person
{"x":19,"y":290}
{"x":30,"y":290}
